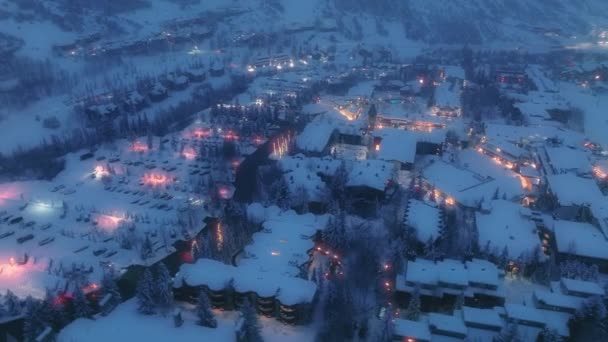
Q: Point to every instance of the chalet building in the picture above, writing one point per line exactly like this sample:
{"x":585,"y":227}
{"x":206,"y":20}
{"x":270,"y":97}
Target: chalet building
{"x":291,"y":300}
{"x":441,"y":282}
{"x":556,"y":301}
{"x":581,"y":241}
{"x":578,"y":288}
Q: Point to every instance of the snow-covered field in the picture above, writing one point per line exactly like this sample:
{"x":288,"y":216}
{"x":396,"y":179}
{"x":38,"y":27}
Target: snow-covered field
{"x":125,"y":324}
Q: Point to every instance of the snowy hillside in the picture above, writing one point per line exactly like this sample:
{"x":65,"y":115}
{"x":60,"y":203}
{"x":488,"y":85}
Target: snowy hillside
{"x":476,"y":21}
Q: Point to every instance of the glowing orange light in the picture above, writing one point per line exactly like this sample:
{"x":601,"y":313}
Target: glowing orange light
{"x":155,"y":179}
{"x":137,"y":146}
{"x":480,"y":150}
{"x":450,"y":201}
{"x":189,"y":153}
{"x":201,"y":133}
{"x":109,"y":222}
{"x":599,"y":173}
{"x":100,"y":171}
{"x":224,"y":193}
{"x":525,"y":183}
{"x":275,"y":253}
{"x":437,"y":193}
{"x":231,"y":136}
{"x":92,"y":287}
{"x":8,"y":194}
{"x":219,"y":236}
{"x":377,"y":147}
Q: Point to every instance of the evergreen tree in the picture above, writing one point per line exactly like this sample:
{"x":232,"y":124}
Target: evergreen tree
{"x":12,"y":304}
{"x":413,"y":308}
{"x":150,"y":140}
{"x":335,"y":233}
{"x":80,"y":305}
{"x":163,"y":290}
{"x":338,"y":185}
{"x":280,"y":194}
{"x":109,"y":287}
{"x":3,"y":312}
{"x":33,"y":325}
{"x":386,"y":332}
{"x":203,"y":311}
{"x":508,"y":334}
{"x":459,"y":302}
{"x":147,"y":250}
{"x":593,"y":309}
{"x":550,"y":335}
{"x":503,"y":259}
{"x":337,"y":313}
{"x":145,"y":293}
{"x":251,"y":326}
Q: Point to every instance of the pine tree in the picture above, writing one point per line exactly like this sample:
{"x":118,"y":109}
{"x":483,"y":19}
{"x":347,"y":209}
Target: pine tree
{"x":508,"y":334}
{"x":386,"y":334}
{"x":109,"y":287}
{"x":251,"y":326}
{"x":503,"y":259}
{"x":459,"y":302}
{"x":32,"y":325}
{"x":147,"y":250}
{"x":430,"y":252}
{"x":13,"y":306}
{"x":3,"y":312}
{"x":413,"y":308}
{"x":335,"y":233}
{"x":203,"y":311}
{"x":163,"y":290}
{"x":145,"y":293}
{"x":80,"y":305}
{"x":550,"y":335}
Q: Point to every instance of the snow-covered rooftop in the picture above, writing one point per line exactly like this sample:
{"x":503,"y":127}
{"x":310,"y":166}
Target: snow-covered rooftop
{"x":485,"y":317}
{"x":581,"y":286}
{"x":573,"y":190}
{"x":505,"y":226}
{"x":580,"y":238}
{"x":412,"y":329}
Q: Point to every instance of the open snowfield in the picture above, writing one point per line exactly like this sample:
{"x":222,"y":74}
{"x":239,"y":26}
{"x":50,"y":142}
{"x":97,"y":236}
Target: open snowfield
{"x":125,"y":324}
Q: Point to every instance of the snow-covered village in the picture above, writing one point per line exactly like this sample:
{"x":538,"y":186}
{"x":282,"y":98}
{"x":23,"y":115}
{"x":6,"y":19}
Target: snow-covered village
{"x":307,"y":171}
